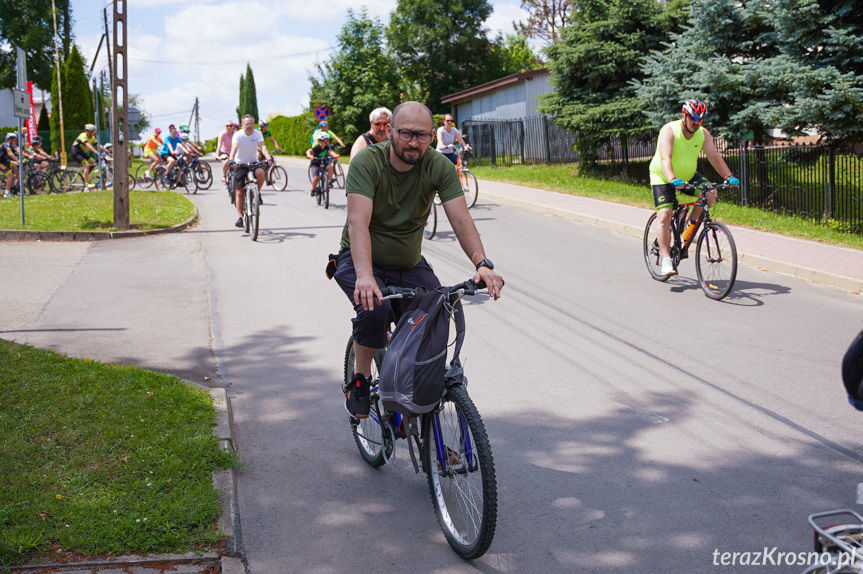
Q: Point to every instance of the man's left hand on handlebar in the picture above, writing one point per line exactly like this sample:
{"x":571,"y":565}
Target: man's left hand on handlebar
{"x":493,"y":281}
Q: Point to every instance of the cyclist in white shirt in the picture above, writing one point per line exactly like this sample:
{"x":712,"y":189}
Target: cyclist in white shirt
{"x":245,"y":145}
{"x":447,"y":135}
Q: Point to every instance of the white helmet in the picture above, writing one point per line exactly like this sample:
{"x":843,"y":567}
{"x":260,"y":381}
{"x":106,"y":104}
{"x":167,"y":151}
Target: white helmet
{"x":322,"y":135}
{"x":11,"y":135}
{"x":184,"y":137}
{"x":89,"y":128}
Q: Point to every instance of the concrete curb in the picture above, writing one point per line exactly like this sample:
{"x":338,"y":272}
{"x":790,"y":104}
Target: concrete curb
{"x":34,"y":235}
{"x":850,"y":284}
{"x":190,"y":563}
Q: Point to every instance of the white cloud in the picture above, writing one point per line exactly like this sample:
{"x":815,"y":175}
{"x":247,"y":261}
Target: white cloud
{"x":502,"y":18}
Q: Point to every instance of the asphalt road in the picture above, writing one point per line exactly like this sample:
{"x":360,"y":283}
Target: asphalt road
{"x":636,"y":426}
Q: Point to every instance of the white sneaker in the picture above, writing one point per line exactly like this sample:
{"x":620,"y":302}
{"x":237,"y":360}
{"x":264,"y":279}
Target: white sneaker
{"x":7,"y":194}
{"x":667,"y":268}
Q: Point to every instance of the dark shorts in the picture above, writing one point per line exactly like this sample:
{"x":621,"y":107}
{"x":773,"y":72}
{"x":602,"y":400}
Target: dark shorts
{"x":240,"y":172}
{"x":370,"y":327}
{"x":451,"y":156}
{"x":79,"y":156}
{"x":166,"y":156}
{"x":665,"y":196}
{"x":318,"y":170}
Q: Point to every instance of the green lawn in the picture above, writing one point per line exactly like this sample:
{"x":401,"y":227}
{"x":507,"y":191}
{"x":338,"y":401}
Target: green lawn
{"x":98,"y":459}
{"x":565,"y":179}
{"x":94,"y":211}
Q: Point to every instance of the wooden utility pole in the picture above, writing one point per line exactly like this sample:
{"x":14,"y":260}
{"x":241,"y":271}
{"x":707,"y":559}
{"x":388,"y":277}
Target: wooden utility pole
{"x":59,"y":87}
{"x":120,"y":123}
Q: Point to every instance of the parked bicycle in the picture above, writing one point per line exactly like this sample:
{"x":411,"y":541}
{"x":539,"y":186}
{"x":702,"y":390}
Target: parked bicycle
{"x":451,"y":440}
{"x":715,"y":251}
{"x":251,"y":201}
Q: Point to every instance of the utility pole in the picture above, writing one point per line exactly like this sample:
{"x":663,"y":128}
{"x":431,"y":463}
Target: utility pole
{"x":197,"y":122}
{"x":120,"y":123}
{"x":59,"y":87}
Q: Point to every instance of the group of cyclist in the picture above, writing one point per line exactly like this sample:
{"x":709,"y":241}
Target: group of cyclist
{"x":176,"y":144}
{"x":34,"y":154}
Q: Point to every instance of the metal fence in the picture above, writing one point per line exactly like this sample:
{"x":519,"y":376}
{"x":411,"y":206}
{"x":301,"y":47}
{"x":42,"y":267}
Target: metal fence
{"x":812,"y":181}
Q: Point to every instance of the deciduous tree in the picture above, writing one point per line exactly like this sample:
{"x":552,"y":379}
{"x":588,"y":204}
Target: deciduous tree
{"x":546,"y":18}
{"x":30,"y":26}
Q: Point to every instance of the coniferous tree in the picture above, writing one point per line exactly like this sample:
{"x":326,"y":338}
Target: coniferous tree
{"x":77,"y":97}
{"x":250,"y":96}
{"x":242,"y":98}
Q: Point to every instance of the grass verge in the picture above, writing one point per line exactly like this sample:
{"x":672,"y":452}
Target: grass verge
{"x":565,"y":178}
{"x":94,"y":211}
{"x":101,"y":459}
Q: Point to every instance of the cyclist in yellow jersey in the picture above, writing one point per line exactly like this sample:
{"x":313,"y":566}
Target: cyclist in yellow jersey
{"x":674,"y":164}
{"x":86,"y":141}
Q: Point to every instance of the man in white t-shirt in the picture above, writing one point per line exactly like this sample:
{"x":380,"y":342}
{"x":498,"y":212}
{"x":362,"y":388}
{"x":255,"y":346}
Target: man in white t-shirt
{"x":245,"y":145}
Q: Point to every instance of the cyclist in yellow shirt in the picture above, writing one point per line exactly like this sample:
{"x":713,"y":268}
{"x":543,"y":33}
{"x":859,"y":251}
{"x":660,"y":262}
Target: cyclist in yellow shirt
{"x":86,"y":142}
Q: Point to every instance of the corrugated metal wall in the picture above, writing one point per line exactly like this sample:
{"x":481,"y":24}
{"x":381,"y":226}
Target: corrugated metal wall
{"x":536,"y":87}
{"x":506,"y":103}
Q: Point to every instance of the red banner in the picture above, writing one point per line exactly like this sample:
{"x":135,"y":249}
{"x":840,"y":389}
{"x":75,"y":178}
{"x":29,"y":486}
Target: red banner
{"x":33,"y":121}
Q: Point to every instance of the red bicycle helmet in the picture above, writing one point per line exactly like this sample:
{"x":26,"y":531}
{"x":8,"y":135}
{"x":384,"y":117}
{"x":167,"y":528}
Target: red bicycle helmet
{"x":695,"y":107}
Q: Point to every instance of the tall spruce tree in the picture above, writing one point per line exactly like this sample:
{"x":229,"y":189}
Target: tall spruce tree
{"x":592,"y":67}
{"x":242,"y":98}
{"x":77,"y":97}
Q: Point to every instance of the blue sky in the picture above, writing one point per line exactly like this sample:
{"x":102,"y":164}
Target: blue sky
{"x":281,"y":38}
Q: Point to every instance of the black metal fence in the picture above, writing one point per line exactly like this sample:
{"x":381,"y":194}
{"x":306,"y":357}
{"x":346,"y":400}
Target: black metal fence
{"x":812,"y":181}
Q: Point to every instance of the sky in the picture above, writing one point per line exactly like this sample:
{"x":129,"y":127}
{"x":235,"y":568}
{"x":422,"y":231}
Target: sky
{"x":181,"y":50}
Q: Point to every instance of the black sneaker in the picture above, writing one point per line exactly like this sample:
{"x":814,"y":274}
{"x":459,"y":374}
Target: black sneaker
{"x":357,"y":403}
{"x":239,"y":223}
{"x":314,"y":191}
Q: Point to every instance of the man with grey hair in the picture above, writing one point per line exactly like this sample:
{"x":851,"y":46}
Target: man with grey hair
{"x":390,"y":189}
{"x":379,"y":119}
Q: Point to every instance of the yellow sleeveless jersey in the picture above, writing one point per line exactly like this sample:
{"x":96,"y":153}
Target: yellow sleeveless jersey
{"x":684,"y":156}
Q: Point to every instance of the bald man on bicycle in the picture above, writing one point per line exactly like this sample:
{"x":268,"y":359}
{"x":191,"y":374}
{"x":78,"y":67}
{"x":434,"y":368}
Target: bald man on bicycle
{"x":390,"y":189}
{"x":675,"y":163}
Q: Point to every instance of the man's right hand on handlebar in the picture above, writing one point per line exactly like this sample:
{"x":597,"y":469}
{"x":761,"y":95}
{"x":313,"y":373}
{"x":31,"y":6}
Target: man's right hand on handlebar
{"x":366,"y":291}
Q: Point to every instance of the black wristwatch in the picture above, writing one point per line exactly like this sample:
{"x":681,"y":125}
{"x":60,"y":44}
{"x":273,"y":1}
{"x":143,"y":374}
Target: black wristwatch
{"x":485,"y":263}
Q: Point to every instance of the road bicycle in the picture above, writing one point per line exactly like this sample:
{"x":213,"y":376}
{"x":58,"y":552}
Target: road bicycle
{"x":251,"y":201}
{"x":451,"y":440}
{"x":277,"y":177}
{"x":469,"y":184}
{"x":715,"y":251}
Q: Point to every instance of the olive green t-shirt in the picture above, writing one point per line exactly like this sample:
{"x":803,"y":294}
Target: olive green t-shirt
{"x":402,"y":201}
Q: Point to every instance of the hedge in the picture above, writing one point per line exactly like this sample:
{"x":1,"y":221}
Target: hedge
{"x":294,"y":133}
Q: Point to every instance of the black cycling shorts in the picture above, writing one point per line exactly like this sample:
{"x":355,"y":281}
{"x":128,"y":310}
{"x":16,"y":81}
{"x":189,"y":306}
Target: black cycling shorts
{"x":78,"y":155}
{"x":665,"y":196}
{"x":240,"y":171}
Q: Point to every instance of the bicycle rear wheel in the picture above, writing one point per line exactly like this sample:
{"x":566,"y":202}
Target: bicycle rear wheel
{"x":278,"y":178}
{"x":431,"y":223}
{"x":470,"y":186}
{"x":652,"y":257}
{"x":144,"y":181}
{"x":369,"y":432}
{"x":716,"y":260}
{"x":460,"y":469}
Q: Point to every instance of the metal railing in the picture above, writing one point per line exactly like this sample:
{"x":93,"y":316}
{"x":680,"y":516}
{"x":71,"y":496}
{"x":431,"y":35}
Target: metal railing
{"x":812,"y":181}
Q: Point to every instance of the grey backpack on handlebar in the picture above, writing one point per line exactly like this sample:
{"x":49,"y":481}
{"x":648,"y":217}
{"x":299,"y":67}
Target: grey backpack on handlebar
{"x":414,"y":366}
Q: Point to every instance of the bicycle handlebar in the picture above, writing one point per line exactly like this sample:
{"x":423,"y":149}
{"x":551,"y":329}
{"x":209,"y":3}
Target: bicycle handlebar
{"x":469,"y":288}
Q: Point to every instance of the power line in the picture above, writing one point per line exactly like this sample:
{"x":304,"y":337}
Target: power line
{"x":221,"y":62}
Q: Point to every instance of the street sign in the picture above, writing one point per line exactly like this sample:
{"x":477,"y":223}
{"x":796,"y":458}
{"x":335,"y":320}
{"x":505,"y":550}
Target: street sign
{"x":322,"y":112}
{"x":21,"y":100}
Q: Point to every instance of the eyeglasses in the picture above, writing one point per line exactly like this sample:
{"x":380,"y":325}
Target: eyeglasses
{"x":407,"y":135}
{"x":379,"y":125}
{"x":448,"y":120}
{"x":696,"y":118}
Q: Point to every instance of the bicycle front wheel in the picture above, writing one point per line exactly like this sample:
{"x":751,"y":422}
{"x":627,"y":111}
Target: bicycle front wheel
{"x":716,"y":260}
{"x":458,"y":462}
{"x":326,"y":191}
{"x":431,"y":223}
{"x":204,"y":175}
{"x":470,"y":186}
{"x":368,"y":432}
{"x":339,"y":175}
{"x":255,"y":215}
{"x":37,"y":183}
{"x":278,"y":178}
{"x":652,"y":257}
{"x":144,"y":180}
{"x":72,"y":180}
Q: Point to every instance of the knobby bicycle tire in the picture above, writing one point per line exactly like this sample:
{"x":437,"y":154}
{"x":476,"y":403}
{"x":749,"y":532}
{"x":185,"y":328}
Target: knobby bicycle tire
{"x":716,"y":260}
{"x":431,"y":223}
{"x":368,"y":432}
{"x":38,"y":183}
{"x":470,"y":186}
{"x":465,"y":496}
{"x":652,"y":256}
